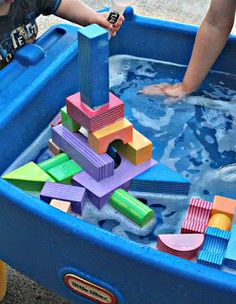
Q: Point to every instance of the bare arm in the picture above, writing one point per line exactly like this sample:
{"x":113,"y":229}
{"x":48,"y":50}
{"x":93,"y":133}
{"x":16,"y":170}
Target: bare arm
{"x":78,"y":12}
{"x":210,"y":41}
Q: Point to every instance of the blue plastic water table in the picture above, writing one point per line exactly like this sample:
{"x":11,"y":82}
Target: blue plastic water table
{"x":79,"y":261}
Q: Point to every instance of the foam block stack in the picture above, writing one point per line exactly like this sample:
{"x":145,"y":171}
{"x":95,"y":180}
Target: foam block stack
{"x":185,"y":246}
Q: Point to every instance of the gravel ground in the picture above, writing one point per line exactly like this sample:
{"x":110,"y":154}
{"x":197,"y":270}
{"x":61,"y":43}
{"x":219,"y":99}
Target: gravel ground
{"x":21,"y":290}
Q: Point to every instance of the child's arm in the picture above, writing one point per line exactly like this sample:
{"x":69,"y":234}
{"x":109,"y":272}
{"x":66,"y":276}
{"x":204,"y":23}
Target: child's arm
{"x":210,"y":41}
{"x":77,"y":12}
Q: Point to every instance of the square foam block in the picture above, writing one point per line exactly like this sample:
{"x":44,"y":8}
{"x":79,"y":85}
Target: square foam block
{"x":75,"y":195}
{"x":101,"y":139}
{"x":99,"y":192}
{"x":223,"y":205}
{"x":76,"y":146}
{"x":93,"y":120}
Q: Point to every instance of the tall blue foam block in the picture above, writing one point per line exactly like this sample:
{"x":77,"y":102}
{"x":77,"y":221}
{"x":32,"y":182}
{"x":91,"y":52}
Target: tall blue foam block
{"x":230,"y":256}
{"x":93,"y":65}
{"x":161,"y":179}
{"x":214,"y":247}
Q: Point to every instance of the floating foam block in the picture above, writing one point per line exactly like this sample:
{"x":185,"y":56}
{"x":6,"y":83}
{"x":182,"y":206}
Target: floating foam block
{"x":100,"y":192}
{"x":64,"y":172}
{"x":214,"y":247}
{"x":230,"y":256}
{"x":76,"y":146}
{"x":53,"y":148}
{"x":161,"y":179}
{"x":61,"y":205}
{"x":68,"y":122}
{"x":197,"y":217}
{"x":93,"y":65}
{"x":53,"y":162}
{"x":75,"y":195}
{"x":29,"y":177}
{"x":185,"y":246}
{"x":100,"y":140}
{"x":93,"y":120}
{"x":138,"y":151}
{"x":223,"y":205}
{"x":131,"y":207}
{"x":220,"y":221}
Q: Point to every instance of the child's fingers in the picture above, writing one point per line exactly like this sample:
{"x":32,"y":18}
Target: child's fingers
{"x":155,"y":89}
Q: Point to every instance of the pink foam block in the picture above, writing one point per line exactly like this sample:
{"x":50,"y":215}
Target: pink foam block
{"x":93,"y":120}
{"x":197,"y":217}
{"x":182,"y":245}
{"x":99,"y":192}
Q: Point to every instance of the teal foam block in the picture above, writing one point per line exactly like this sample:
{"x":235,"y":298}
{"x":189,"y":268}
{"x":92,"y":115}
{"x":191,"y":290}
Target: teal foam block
{"x":230,"y":256}
{"x":214,"y":247}
{"x":161,"y":179}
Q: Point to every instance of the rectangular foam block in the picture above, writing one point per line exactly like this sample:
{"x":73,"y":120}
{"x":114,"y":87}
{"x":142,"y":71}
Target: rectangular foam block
{"x":138,"y":151}
{"x":223,"y":205}
{"x":73,"y":194}
{"x":93,"y":65}
{"x":161,"y":179}
{"x":76,"y":146}
{"x":93,"y":120}
{"x":64,"y":172}
{"x":230,"y":256}
{"x":53,"y":148}
{"x":99,"y":192}
{"x":69,"y":122}
{"x":53,"y":162}
{"x":100,"y":140}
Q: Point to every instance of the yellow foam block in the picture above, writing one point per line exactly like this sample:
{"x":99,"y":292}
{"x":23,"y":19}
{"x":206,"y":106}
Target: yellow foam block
{"x":220,"y":221}
{"x":3,"y":280}
{"x":53,"y":148}
{"x":223,"y":205}
{"x":61,"y":205}
{"x":100,"y":140}
{"x":138,"y":151}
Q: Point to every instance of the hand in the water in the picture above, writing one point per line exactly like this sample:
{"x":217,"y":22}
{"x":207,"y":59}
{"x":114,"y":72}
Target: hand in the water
{"x":174,"y":92}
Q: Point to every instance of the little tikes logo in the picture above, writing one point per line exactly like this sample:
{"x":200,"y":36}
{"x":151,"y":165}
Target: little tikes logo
{"x":89,"y":290}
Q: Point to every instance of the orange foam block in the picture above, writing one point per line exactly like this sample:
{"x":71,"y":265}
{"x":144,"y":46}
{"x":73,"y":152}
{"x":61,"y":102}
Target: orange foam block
{"x":224,"y":205}
{"x":220,"y":221}
{"x":138,"y":151}
{"x":53,"y":148}
{"x":61,"y":205}
{"x":100,"y":140}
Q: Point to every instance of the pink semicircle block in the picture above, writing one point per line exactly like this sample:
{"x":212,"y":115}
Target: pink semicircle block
{"x":182,"y":242}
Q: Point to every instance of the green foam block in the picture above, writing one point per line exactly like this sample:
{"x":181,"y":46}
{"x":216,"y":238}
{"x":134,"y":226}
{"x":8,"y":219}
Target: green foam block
{"x":69,"y":122}
{"x":29,"y":177}
{"x":65,"y":171}
{"x":131,"y":207}
{"x":53,"y":162}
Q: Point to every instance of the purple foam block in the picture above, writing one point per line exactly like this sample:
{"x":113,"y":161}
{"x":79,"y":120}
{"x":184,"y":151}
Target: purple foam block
{"x":75,"y":195}
{"x":100,"y":192}
{"x":75,"y":145}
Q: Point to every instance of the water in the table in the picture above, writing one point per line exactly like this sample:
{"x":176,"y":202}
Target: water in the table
{"x":196,"y":137}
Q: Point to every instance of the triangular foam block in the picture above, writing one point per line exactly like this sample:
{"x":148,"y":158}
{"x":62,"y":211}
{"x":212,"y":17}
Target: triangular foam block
{"x":161,"y":179}
{"x":29,"y":177}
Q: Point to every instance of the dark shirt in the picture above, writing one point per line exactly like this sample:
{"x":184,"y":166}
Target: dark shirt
{"x":19,"y":26}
